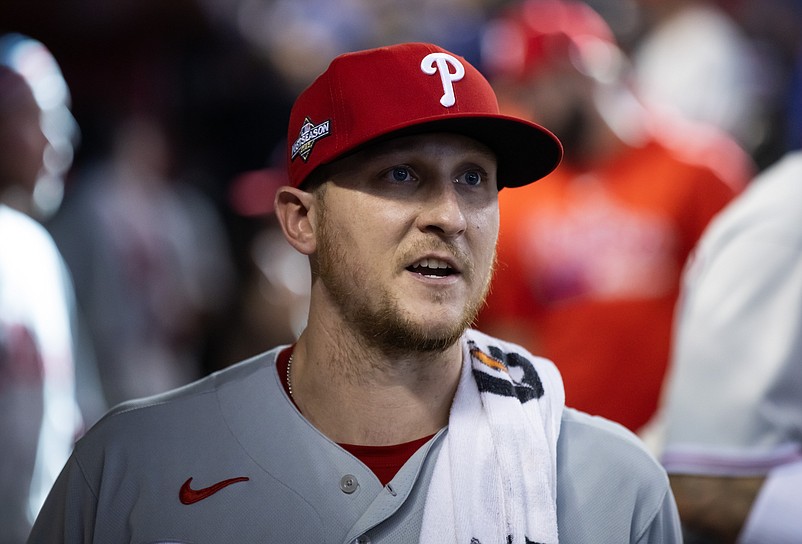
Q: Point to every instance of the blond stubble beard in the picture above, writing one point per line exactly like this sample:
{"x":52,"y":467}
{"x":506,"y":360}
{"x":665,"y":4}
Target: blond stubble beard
{"x":383,"y":326}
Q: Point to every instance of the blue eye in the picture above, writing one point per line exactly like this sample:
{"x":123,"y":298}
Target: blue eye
{"x":471,"y":177}
{"x":401,"y":173}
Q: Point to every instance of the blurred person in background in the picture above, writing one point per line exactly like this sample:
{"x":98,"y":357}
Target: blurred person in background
{"x":39,"y":413}
{"x":589,"y":261}
{"x":694,"y":59}
{"x":733,"y":404}
{"x":150,"y":261}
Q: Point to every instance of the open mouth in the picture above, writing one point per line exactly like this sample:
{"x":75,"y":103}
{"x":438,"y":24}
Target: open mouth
{"x":432,"y":268}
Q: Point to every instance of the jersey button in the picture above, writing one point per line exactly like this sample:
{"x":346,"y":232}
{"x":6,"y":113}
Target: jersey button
{"x":364,"y":539}
{"x":348,"y":484}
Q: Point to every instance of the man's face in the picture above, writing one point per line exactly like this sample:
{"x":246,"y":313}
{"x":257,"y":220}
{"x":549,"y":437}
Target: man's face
{"x":406,"y":239}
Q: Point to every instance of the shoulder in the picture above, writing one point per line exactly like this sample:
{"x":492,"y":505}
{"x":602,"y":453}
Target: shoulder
{"x":30,"y":263}
{"x":763,"y":224}
{"x":153,"y":435}
{"x":772,"y":200}
{"x":613,"y":445}
{"x":177,"y":412}
{"x":24,"y":234}
{"x":9,"y":217}
{"x":609,"y":485}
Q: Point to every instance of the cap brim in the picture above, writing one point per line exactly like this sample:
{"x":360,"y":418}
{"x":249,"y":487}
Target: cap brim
{"x":526,"y":152}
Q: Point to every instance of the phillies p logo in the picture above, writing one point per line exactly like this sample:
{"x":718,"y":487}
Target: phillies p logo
{"x":442,"y":63}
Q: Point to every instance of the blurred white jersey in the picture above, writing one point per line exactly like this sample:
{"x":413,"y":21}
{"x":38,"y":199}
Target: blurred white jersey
{"x":39,"y":416}
{"x":733,"y":401}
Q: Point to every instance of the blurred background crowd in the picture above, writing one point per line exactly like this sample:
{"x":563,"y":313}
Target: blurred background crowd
{"x":165,"y":131}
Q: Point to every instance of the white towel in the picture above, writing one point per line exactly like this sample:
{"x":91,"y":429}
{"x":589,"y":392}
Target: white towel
{"x":495,"y":479}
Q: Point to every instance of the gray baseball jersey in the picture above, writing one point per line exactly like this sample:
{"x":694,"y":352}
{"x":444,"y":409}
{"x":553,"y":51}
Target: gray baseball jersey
{"x":230,"y":459}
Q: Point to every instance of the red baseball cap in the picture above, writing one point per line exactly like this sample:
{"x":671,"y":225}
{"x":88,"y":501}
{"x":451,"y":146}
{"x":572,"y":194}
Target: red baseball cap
{"x":406,"y":89}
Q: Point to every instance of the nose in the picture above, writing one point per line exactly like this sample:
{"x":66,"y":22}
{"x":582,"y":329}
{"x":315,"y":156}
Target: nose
{"x":442,"y":210}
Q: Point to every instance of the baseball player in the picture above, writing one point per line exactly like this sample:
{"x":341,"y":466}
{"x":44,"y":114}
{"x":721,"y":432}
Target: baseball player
{"x":390,"y":420}
{"x":733,"y":414}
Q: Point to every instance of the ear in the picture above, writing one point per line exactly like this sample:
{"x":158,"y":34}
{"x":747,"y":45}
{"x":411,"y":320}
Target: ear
{"x":295,"y":212}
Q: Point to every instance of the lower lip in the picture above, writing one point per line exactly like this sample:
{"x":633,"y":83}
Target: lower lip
{"x":436,"y":280}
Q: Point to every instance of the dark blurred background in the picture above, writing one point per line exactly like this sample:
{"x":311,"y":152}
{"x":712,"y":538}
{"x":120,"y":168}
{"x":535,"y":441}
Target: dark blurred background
{"x":224,"y":106}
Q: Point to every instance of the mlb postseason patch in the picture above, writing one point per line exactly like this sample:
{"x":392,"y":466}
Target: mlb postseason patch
{"x":310,"y":133}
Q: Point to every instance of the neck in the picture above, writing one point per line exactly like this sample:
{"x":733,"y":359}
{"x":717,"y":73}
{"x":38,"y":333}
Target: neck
{"x":355,"y":394}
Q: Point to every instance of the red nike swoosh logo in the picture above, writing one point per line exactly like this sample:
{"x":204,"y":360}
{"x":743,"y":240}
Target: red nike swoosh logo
{"x":187,"y":495}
